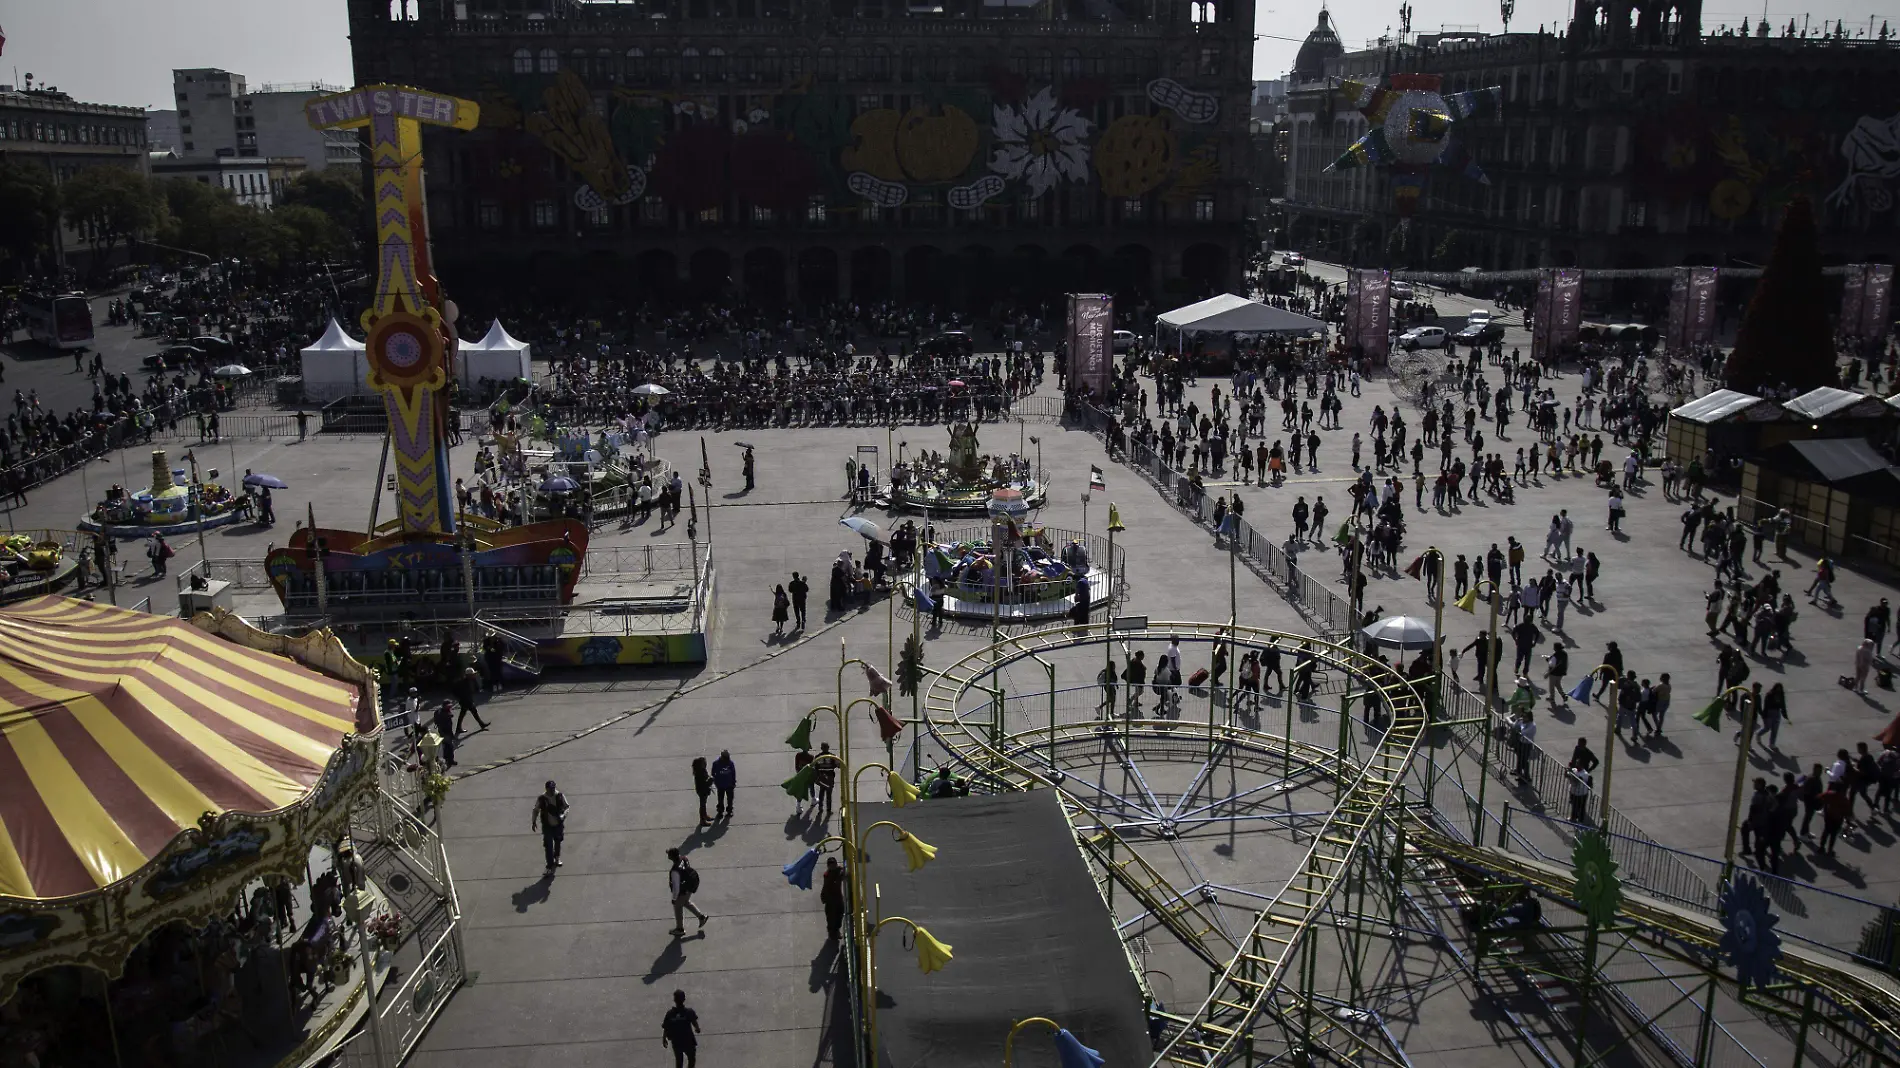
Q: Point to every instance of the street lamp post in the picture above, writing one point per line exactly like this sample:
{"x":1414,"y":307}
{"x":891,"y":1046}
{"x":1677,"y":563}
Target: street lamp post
{"x":1490,"y":664}
{"x":1750,"y":706}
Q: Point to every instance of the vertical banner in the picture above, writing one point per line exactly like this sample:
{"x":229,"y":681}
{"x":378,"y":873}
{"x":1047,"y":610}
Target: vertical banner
{"x":1541,"y":316}
{"x":1852,"y":299}
{"x":1876,"y":306}
{"x":1369,"y":314}
{"x":1676,"y":333}
{"x":1566,"y":307}
{"x":1091,"y":337}
{"x":1701,"y":320}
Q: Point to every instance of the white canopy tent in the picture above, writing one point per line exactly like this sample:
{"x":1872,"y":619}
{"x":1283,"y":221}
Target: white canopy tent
{"x":1229,"y":314}
{"x":497,"y":357}
{"x":336,"y":365}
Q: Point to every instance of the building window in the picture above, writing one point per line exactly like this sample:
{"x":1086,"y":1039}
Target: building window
{"x":549,"y":61}
{"x":601,"y":217}
{"x":1675,"y":81}
{"x":761,"y":215}
{"x":815,"y":211}
{"x":1131,"y":209}
{"x":488,"y":215}
{"x":870,"y":213}
{"x":1200,"y":11}
{"x":547,"y":215}
{"x":1636,"y":213}
{"x":652,"y":212}
{"x":1210,"y":62}
{"x":709,"y":215}
{"x":1203,"y":209}
{"x":189,"y":146}
{"x":524,"y":61}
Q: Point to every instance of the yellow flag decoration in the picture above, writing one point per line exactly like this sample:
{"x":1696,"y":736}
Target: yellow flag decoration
{"x":917,"y":852}
{"x":1115,"y":518}
{"x":932,"y":955}
{"x":902,"y":792}
{"x":1469,"y":600}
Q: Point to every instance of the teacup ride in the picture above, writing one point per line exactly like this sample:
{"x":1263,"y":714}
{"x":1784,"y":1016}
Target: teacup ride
{"x":1041,"y":587}
{"x":174,"y":504}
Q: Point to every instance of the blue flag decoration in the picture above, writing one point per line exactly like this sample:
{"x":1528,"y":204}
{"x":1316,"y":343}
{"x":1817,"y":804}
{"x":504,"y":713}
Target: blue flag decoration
{"x":798,"y":872}
{"x":1071,"y":1053}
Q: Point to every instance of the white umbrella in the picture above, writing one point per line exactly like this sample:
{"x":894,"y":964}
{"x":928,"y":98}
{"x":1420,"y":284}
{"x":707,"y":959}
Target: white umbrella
{"x":1401,"y":632}
{"x":651,"y":389}
{"x":864,"y":527}
{"x":231,"y":370}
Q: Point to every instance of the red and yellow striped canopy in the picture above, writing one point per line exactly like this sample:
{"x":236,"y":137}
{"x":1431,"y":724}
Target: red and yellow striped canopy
{"x":119,"y":729}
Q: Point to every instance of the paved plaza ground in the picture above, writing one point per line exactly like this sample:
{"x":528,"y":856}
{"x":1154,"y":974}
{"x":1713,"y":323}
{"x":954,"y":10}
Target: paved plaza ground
{"x":576,"y":970}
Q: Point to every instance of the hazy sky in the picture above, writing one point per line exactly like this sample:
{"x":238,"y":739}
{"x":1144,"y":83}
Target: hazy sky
{"x":123,"y":51}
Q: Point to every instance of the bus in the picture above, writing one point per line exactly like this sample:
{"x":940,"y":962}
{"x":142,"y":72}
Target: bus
{"x":58,"y":320}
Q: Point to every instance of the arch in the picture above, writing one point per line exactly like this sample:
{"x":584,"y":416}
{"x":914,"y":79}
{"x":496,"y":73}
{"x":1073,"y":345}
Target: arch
{"x":764,"y":276}
{"x":1080,"y":270}
{"x":547,"y":61}
{"x":709,"y":274}
{"x":524,"y":61}
{"x":1130,"y":272}
{"x":925,"y":276}
{"x":817,"y":276}
{"x":871,"y":273}
{"x":1204,"y":268}
{"x":657,"y":272}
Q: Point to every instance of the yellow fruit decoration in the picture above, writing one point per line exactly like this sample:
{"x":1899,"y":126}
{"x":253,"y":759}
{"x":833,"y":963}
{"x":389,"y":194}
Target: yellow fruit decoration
{"x":874,"y":148}
{"x":1134,"y":155}
{"x":936,"y":148}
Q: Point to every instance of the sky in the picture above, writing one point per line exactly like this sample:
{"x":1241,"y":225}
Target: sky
{"x":60,"y":41}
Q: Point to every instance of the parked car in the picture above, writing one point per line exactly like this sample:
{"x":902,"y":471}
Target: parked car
{"x":1479,"y":333}
{"x":172,"y":357}
{"x":1122,"y":341}
{"x":1401,"y":291}
{"x":1478,"y":317}
{"x":1423,"y":337}
{"x":1293,"y":259}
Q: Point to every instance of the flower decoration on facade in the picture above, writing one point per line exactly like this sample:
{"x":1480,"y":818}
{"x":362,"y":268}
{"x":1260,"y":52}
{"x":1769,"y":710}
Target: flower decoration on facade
{"x":1040,"y":142}
{"x":1748,"y":932}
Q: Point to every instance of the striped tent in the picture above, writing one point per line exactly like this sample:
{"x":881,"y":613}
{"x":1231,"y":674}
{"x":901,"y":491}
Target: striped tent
{"x":120,"y":729}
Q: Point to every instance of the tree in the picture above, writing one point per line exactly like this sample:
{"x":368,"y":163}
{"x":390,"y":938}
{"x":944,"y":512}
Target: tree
{"x":113,"y":204}
{"x":1785,"y":339}
{"x":308,"y":233}
{"x":339,"y":196}
{"x":29,"y":209}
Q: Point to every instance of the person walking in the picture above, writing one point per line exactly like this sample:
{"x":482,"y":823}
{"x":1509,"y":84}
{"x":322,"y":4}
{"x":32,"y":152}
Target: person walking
{"x":467,"y":689}
{"x":703,"y":786}
{"x":826,"y":775}
{"x":831,"y":893}
{"x":781,"y":610}
{"x":550,"y":818}
{"x":1557,"y":664}
{"x":801,"y":760}
{"x":1809,"y":788}
{"x":1659,"y":698}
{"x":725,"y":778}
{"x":799,"y":589}
{"x":679,"y":1028}
{"x":1526,"y":738}
{"x":1863,"y":664}
{"x":159,"y":550}
{"x":444,"y":720}
{"x":682,"y":881}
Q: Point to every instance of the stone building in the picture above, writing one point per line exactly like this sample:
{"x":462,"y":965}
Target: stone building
{"x":1632,"y":139}
{"x":958,"y":152}
{"x":49,"y":129}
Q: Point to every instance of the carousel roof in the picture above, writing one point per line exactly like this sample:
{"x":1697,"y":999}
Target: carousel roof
{"x":120,"y":729}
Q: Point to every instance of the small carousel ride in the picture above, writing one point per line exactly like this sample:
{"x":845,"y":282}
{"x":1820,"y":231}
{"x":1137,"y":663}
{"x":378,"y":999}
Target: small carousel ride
{"x":177,"y":502}
{"x":1018,"y":573}
{"x":961,"y":483}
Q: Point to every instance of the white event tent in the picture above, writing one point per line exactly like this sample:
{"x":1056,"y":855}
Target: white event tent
{"x":336,"y":365}
{"x":1229,"y":314}
{"x":497,"y":357}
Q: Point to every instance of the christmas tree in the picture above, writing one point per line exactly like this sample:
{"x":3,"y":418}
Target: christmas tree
{"x":1786,"y":339}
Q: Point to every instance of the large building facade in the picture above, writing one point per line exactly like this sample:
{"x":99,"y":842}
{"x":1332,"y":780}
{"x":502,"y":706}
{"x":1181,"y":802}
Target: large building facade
{"x":954,"y":152}
{"x":48,"y":129}
{"x":220,"y":116}
{"x":1632,"y":140}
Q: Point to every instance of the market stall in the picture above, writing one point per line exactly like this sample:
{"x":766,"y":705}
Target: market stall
{"x":1722,"y":424}
{"x":1220,"y":320}
{"x":1828,"y":412}
{"x":335,"y":365}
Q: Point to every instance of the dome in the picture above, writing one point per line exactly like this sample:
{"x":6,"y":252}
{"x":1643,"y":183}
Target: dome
{"x":1320,"y":45}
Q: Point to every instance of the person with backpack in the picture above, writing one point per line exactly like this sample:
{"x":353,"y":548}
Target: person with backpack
{"x":159,"y":550}
{"x":682,"y":882}
{"x":550,"y":818}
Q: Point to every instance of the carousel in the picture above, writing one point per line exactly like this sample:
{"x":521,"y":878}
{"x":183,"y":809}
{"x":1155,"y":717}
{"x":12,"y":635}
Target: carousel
{"x":178,"y":501}
{"x":1018,"y":573}
{"x":199,"y":862}
{"x":961,"y":482}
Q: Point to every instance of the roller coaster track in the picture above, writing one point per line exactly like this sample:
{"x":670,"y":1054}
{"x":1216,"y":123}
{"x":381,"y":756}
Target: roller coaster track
{"x":1249,"y":980}
{"x":1254,"y":979}
{"x":1869,"y":998}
